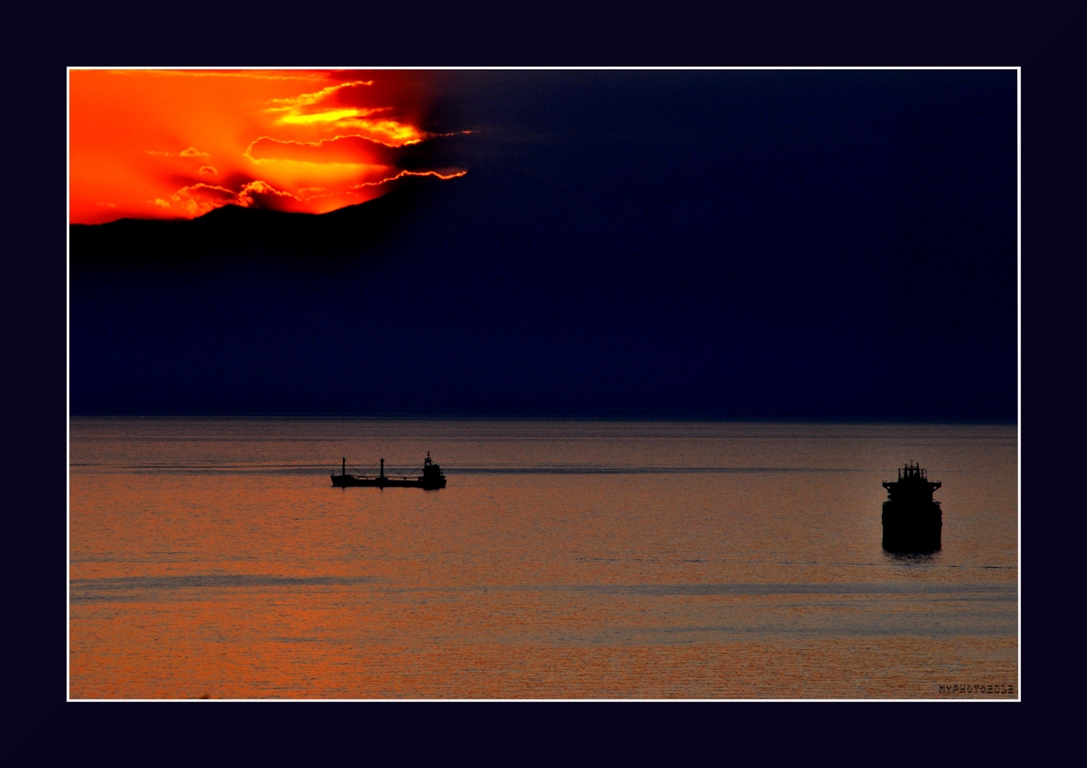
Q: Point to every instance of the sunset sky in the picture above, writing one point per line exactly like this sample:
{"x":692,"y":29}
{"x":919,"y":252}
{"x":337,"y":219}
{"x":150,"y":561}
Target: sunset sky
{"x":166,"y":144}
{"x":715,"y":244}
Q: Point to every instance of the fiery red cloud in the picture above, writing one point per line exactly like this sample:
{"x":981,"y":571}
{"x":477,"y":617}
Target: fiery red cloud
{"x":179,"y":143}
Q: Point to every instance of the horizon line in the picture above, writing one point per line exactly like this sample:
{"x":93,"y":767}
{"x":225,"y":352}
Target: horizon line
{"x":390,"y":416}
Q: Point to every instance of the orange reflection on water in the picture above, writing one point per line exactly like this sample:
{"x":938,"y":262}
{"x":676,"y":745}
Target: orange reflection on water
{"x":224,"y":564}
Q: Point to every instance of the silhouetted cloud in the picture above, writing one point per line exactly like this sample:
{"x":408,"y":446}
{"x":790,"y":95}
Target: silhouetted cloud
{"x":339,"y":106}
{"x":339,"y":149}
{"x":198,"y":199}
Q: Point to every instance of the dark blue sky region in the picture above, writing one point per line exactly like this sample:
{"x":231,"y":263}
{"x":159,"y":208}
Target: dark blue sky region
{"x":832,"y":245}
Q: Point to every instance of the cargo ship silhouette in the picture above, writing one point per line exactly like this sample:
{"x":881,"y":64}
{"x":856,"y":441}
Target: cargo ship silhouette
{"x":431,"y":479}
{"x":912,"y":521}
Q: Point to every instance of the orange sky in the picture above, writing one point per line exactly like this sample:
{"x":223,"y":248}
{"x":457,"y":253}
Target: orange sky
{"x":163,"y":144}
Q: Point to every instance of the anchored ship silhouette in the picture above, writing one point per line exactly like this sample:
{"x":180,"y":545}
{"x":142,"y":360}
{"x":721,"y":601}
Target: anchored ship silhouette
{"x":431,"y":479}
{"x":912,"y":520}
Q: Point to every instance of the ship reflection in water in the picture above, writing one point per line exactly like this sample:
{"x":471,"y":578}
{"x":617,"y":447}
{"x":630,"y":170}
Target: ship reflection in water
{"x":912,"y":521}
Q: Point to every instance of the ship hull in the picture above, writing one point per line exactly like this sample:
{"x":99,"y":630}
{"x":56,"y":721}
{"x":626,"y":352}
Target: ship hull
{"x":352,"y":481}
{"x":912,"y":528}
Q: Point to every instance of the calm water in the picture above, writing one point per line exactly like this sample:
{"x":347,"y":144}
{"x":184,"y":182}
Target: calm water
{"x":213,"y":558}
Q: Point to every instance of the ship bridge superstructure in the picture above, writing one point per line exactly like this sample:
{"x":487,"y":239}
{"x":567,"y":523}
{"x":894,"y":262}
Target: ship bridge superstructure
{"x":912,"y":486}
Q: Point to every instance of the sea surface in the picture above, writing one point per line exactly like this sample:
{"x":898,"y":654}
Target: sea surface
{"x":564,"y":560}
